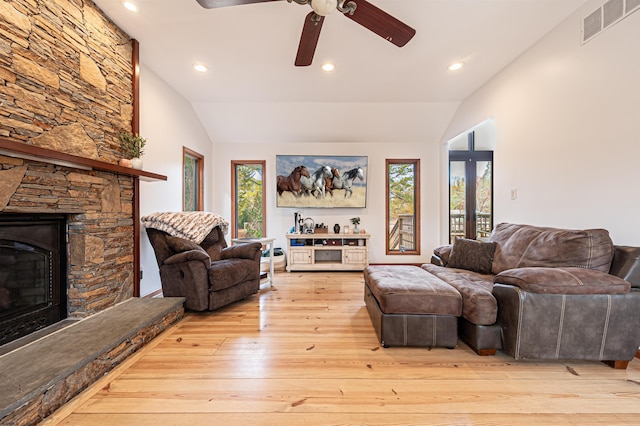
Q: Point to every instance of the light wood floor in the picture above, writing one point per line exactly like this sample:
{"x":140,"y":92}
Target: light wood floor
{"x":304,"y":352}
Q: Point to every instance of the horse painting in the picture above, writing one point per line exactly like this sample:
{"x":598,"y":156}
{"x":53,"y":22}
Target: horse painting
{"x":315,"y":184}
{"x":292,"y":183}
{"x":346,"y":180}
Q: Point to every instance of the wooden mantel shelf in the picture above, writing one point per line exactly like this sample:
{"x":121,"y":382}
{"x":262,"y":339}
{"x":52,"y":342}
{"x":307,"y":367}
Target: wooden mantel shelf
{"x":23,"y":150}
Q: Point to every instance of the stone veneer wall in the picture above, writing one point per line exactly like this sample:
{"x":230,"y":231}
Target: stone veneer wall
{"x":65,"y":85}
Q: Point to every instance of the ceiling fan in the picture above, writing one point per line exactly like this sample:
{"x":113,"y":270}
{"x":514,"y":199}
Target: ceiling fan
{"x":360,"y":11}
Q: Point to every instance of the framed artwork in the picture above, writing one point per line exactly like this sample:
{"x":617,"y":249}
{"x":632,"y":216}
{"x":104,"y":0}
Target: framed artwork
{"x":322,"y":181}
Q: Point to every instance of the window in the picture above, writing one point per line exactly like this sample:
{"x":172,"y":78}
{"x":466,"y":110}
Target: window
{"x":193,"y":182}
{"x":470,"y":193}
{"x":248,"y":199}
{"x":403,"y":206}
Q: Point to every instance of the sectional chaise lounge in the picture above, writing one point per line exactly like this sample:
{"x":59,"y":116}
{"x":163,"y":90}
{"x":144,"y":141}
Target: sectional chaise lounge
{"x":531,"y":292}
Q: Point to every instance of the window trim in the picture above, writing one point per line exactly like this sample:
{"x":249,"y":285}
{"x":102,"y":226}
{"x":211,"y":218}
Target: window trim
{"x":234,"y":213}
{"x":200,"y":189}
{"x":416,"y":201}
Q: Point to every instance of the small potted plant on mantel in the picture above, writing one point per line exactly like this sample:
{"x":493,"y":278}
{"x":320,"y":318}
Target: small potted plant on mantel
{"x":133,"y":146}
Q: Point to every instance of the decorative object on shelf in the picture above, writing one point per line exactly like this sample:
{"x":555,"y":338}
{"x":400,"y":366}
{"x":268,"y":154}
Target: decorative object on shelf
{"x":355,"y":221}
{"x":336,"y":228}
{"x":308,"y":226}
{"x":133,"y":146}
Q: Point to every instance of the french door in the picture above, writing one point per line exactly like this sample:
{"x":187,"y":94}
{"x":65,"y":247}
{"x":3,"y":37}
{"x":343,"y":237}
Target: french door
{"x":470,"y":194}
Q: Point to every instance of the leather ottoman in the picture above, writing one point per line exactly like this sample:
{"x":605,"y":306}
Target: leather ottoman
{"x":410,"y":307}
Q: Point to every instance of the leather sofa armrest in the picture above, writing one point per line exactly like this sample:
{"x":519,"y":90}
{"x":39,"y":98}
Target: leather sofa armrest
{"x":251,"y":251}
{"x":187,"y":256}
{"x":437,"y":260}
{"x":441,"y":255}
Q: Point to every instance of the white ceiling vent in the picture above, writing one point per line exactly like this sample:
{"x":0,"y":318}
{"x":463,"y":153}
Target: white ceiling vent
{"x":605,"y":16}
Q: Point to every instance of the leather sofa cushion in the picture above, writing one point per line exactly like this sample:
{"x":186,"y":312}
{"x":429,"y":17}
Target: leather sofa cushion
{"x":227,"y":273}
{"x":526,"y":246}
{"x":478,"y":304}
{"x":403,"y":289}
{"x":476,"y":256}
{"x":563,"y":281}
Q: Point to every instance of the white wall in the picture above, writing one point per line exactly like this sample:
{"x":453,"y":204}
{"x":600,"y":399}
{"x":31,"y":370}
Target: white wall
{"x":567,"y":137}
{"x":168,"y":122}
{"x":280,"y":220}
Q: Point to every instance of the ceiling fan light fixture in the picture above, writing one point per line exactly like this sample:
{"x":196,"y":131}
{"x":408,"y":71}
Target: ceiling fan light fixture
{"x":456,"y":66}
{"x":324,"y":7}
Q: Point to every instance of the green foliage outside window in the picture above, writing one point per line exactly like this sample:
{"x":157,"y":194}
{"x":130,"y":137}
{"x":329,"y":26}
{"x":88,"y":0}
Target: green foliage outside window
{"x":190,"y":181}
{"x":249,"y":200}
{"x":401,"y":189}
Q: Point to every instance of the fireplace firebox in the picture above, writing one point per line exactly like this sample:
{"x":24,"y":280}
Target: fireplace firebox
{"x":33,"y":273}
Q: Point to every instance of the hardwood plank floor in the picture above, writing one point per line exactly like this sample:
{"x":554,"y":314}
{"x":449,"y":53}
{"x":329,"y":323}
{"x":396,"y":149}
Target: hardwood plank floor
{"x":304,"y":352}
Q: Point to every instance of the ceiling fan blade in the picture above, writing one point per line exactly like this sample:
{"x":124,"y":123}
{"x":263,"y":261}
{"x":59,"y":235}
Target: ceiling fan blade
{"x":381,"y":23}
{"x":213,"y":4}
{"x":309,"y":39}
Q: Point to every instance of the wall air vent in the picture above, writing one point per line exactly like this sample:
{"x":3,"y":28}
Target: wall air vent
{"x":591,"y":25}
{"x":607,"y":15}
{"x":613,"y":10}
{"x":631,"y":6}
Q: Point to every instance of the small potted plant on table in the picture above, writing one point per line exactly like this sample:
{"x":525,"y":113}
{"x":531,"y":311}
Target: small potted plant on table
{"x":355,"y":221}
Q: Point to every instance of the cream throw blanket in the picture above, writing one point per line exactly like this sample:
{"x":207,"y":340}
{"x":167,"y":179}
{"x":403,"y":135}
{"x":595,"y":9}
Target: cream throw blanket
{"x":192,"y":226}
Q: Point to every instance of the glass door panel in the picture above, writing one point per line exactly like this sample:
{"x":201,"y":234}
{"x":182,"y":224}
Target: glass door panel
{"x":484,"y":199}
{"x":457,"y":200}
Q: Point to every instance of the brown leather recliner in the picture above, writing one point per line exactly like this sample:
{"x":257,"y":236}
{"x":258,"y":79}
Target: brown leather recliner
{"x":210,"y":274}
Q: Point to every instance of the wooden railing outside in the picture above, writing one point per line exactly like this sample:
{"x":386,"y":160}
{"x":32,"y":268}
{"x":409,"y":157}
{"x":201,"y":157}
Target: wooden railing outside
{"x":457,"y":225}
{"x":401,"y":236}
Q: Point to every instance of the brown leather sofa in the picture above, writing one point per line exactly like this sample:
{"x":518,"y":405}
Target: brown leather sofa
{"x":210,"y":274}
{"x":532,"y":292}
{"x":548,"y":294}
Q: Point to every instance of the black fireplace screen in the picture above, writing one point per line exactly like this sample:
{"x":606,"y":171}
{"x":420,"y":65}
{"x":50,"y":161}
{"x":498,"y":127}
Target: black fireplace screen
{"x":32,"y":273}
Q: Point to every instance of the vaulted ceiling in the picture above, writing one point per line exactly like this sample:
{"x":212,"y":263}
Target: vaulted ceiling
{"x":250,"y":51}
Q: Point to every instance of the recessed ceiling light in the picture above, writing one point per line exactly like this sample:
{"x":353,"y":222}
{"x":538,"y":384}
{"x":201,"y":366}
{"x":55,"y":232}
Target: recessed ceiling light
{"x":200,"y":67}
{"x":328,"y":67}
{"x":130,"y":6}
{"x":456,"y":66}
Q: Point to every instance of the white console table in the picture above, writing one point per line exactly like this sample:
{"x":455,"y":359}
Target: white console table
{"x":327,"y":252}
{"x":268,"y":242}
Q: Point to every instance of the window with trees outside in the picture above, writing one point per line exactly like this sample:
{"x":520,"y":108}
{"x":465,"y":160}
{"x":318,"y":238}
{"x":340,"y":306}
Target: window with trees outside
{"x":248,"y":218}
{"x":403,"y":206}
{"x":193,"y":180}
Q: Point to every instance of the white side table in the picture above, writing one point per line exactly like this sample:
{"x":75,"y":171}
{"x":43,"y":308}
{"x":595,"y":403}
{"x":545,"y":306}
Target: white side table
{"x":268,"y":242}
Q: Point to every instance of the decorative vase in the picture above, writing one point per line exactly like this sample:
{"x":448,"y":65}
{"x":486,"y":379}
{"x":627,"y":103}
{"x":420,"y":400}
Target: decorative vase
{"x":355,"y":229}
{"x":336,"y":228}
{"x":136,"y":163}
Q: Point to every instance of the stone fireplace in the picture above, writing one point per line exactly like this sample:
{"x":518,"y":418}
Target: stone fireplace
{"x":98,"y":210}
{"x":68,"y":88}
